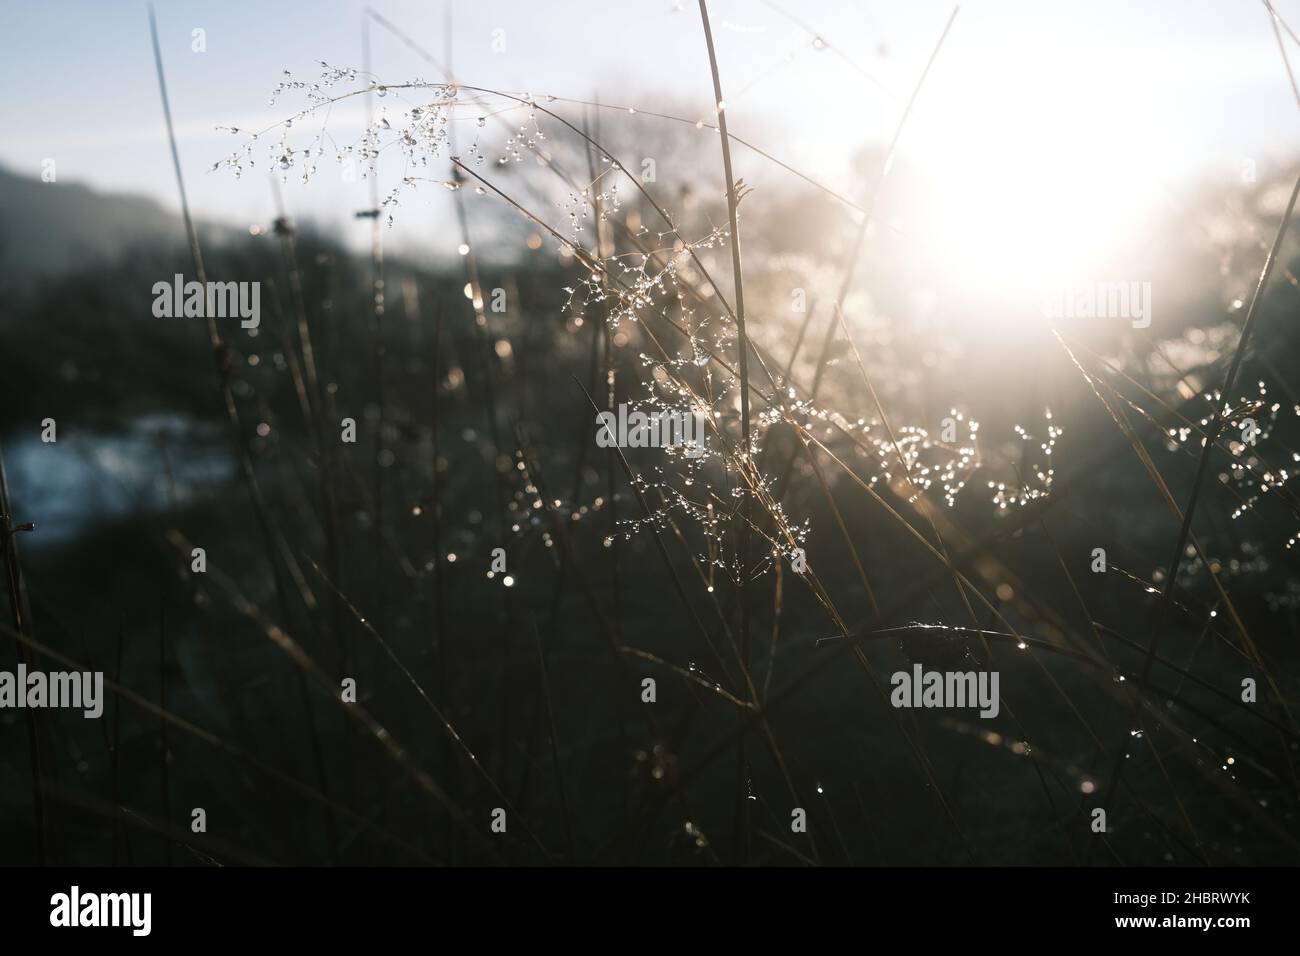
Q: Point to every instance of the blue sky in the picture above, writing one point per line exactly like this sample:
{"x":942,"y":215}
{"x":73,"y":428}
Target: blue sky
{"x":1175,"y":88}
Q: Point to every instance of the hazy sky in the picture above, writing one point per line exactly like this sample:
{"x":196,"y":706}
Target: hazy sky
{"x":1161,"y":88}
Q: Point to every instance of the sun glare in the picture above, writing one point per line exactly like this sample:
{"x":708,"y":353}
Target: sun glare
{"x":1032,"y":177}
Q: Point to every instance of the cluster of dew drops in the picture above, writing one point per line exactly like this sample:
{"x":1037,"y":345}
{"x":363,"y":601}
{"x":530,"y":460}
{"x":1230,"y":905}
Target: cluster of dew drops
{"x":1038,"y":482}
{"x":415,"y":120}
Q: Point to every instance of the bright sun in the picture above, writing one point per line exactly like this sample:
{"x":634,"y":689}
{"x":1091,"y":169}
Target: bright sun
{"x":1033,"y":177}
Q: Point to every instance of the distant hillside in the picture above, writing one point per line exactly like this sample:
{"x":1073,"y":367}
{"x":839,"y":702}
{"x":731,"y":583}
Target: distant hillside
{"x":48,"y":228}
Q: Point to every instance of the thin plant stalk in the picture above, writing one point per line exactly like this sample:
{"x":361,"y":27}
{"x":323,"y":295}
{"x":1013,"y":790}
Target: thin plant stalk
{"x":21,"y":615}
{"x":733,"y":200}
